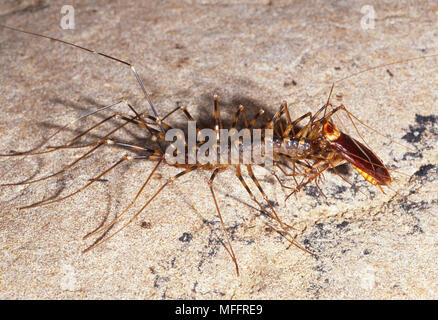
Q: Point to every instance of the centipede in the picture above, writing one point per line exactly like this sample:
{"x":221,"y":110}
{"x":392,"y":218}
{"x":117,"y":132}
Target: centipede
{"x":303,"y":150}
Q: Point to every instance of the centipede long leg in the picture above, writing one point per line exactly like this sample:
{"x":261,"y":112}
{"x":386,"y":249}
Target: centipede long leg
{"x":240,"y":110}
{"x":43,"y":203}
{"x":217,"y":118}
{"x":281,"y":183}
{"x":253,"y":198}
{"x":277,"y":218}
{"x":230,"y":251}
{"x":272,"y":214}
{"x":293,"y":174}
{"x":286,"y":111}
{"x":180,"y":174}
{"x":278,"y":130}
{"x":303,"y":132}
{"x":189,"y":117}
{"x":284,"y":132}
{"x":254,"y":119}
{"x":52,"y":148}
{"x":127,"y":208}
{"x":154,"y":156}
{"x":97,"y":145}
{"x":310,"y":179}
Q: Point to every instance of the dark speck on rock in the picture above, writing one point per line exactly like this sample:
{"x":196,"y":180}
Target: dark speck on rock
{"x":415,"y":133}
{"x":412,"y":155}
{"x":416,"y":229}
{"x":423,"y":171}
{"x":410,"y":206}
{"x":311,"y":191}
{"x":288,"y":83}
{"x":343,"y":224}
{"x":424,"y":120}
{"x":186,"y":237}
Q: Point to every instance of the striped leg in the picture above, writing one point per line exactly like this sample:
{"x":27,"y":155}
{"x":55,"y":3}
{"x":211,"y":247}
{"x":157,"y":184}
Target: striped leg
{"x":240,"y":110}
{"x":97,"y":144}
{"x":289,"y":124}
{"x":276,"y":120}
{"x":254,"y":119}
{"x":124,"y":211}
{"x":286,"y":111}
{"x":217,"y":116}
{"x":180,"y":174}
{"x":230,"y":249}
{"x":317,"y":171}
{"x":46,"y":141}
{"x":265,"y":197}
{"x":46,"y":202}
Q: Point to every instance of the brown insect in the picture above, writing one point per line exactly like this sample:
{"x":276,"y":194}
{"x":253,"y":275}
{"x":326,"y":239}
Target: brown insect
{"x":302,"y":153}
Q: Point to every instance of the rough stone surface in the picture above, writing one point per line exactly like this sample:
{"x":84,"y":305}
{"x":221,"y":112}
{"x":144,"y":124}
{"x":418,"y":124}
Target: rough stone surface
{"x":368,"y":244}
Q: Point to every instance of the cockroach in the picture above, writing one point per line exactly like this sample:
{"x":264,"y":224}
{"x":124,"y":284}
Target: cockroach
{"x":301,"y":153}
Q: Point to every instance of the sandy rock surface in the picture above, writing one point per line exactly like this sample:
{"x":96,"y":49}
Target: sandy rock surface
{"x":367,"y":244}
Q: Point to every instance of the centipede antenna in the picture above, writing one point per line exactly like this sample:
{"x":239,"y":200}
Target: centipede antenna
{"x":140,"y":82}
{"x":148,"y":98}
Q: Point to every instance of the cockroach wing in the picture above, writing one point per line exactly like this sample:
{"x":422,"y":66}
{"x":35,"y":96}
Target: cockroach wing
{"x":362,"y":159}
